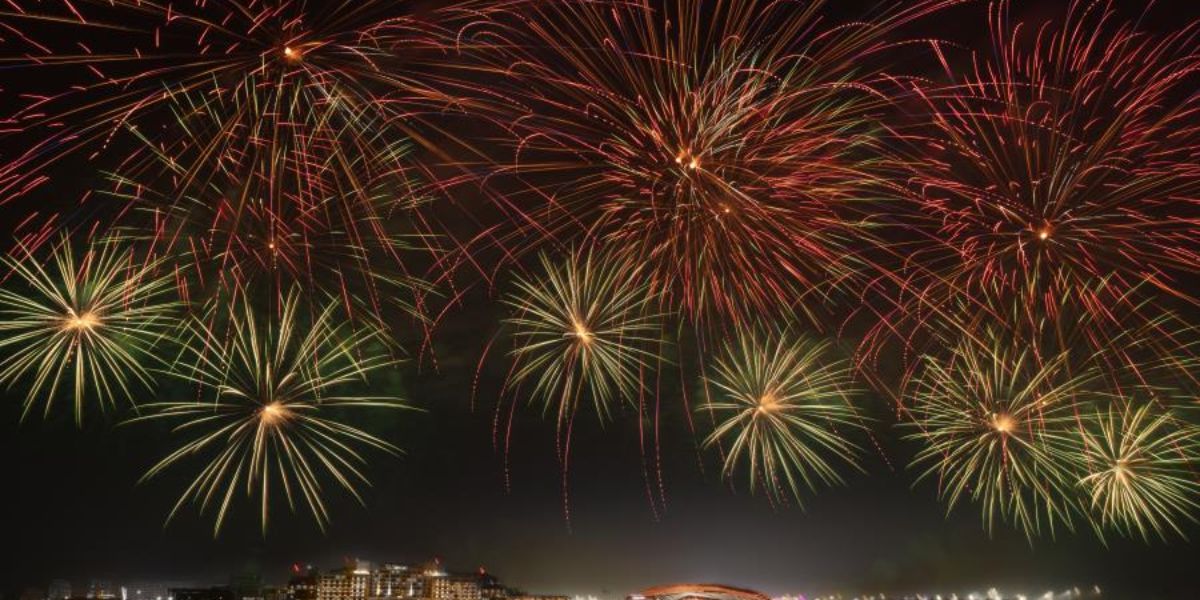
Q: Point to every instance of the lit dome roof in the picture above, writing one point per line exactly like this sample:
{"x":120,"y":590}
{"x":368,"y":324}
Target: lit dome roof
{"x":703,"y":591}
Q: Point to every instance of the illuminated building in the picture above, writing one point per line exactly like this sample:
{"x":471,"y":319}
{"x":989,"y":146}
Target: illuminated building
{"x":246,"y":586}
{"x":59,"y":589}
{"x":490,"y":587}
{"x":150,"y":590}
{"x":303,"y":583}
{"x":209,"y":593}
{"x":392,"y":580}
{"x":452,"y":587}
{"x":350,"y":583}
{"x":101,"y":590}
{"x":358,"y":580}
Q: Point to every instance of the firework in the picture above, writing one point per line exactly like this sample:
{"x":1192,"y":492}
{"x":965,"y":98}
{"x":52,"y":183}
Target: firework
{"x":86,"y":322}
{"x":1063,"y":167}
{"x":276,"y":385}
{"x":728,"y":147}
{"x":1140,"y":470}
{"x":998,"y":426}
{"x":582,"y":328}
{"x":1138,"y":346}
{"x":121,"y":62}
{"x":784,"y":407}
{"x":318,"y":199}
{"x":248,"y":140}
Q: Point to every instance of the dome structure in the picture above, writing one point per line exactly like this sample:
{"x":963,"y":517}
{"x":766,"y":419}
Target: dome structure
{"x":697,"y":591}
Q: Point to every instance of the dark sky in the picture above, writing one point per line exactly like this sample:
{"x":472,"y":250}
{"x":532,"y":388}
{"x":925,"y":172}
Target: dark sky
{"x":72,"y":510}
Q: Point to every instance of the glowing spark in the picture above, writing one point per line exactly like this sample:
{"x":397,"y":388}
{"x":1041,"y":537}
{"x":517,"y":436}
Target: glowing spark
{"x":991,"y":391}
{"x":306,"y":360}
{"x":1121,"y":470}
{"x":1146,"y":251}
{"x":273,"y":413}
{"x":1146,"y":457}
{"x":768,"y":403}
{"x":567,"y":360}
{"x":805,"y":390}
{"x":746,"y":91}
{"x":567,"y":357}
{"x":84,"y":321}
{"x":581,"y":332}
{"x":52,"y":335}
{"x":1003,"y":423}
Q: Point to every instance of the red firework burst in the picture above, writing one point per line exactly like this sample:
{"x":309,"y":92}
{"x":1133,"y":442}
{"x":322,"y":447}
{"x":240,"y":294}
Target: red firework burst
{"x":1063,"y":170}
{"x":730,"y":146}
{"x":257,"y":136}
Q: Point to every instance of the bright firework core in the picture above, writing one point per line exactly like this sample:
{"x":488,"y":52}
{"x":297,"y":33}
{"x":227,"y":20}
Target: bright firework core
{"x":768,"y":403}
{"x":82,"y":321}
{"x":273,"y":413}
{"x":1121,"y":469}
{"x":686,"y":158}
{"x":1003,"y":423}
{"x":581,"y":332}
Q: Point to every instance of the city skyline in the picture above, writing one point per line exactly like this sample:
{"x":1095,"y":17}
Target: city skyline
{"x":358,"y":579}
{"x":354,"y":579}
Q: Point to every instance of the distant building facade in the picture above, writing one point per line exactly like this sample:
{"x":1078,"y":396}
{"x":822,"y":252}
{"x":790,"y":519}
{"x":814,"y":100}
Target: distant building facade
{"x":246,"y":586}
{"x":59,"y":589}
{"x":209,"y":593}
{"x":303,"y":583}
{"x":356,"y":580}
{"x":148,"y":590}
{"x":452,"y":587}
{"x":359,"y":580}
{"x":352,"y":582}
{"x":490,"y":587}
{"x":392,"y":580}
{"x":99,"y":589}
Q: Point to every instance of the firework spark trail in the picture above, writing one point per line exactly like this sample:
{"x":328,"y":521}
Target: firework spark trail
{"x":270,"y":385}
{"x":315,"y":200}
{"x":583,"y":328}
{"x":997,"y":428}
{"x":779,"y":401}
{"x":88,"y":321}
{"x":964,"y":401}
{"x":1139,"y":470}
{"x":727,"y":147}
{"x":165,"y":48}
{"x":282,"y":128}
{"x":1063,"y":168}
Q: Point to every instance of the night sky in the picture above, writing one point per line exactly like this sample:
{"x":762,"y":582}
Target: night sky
{"x":73,"y":508}
{"x":74,"y":513}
